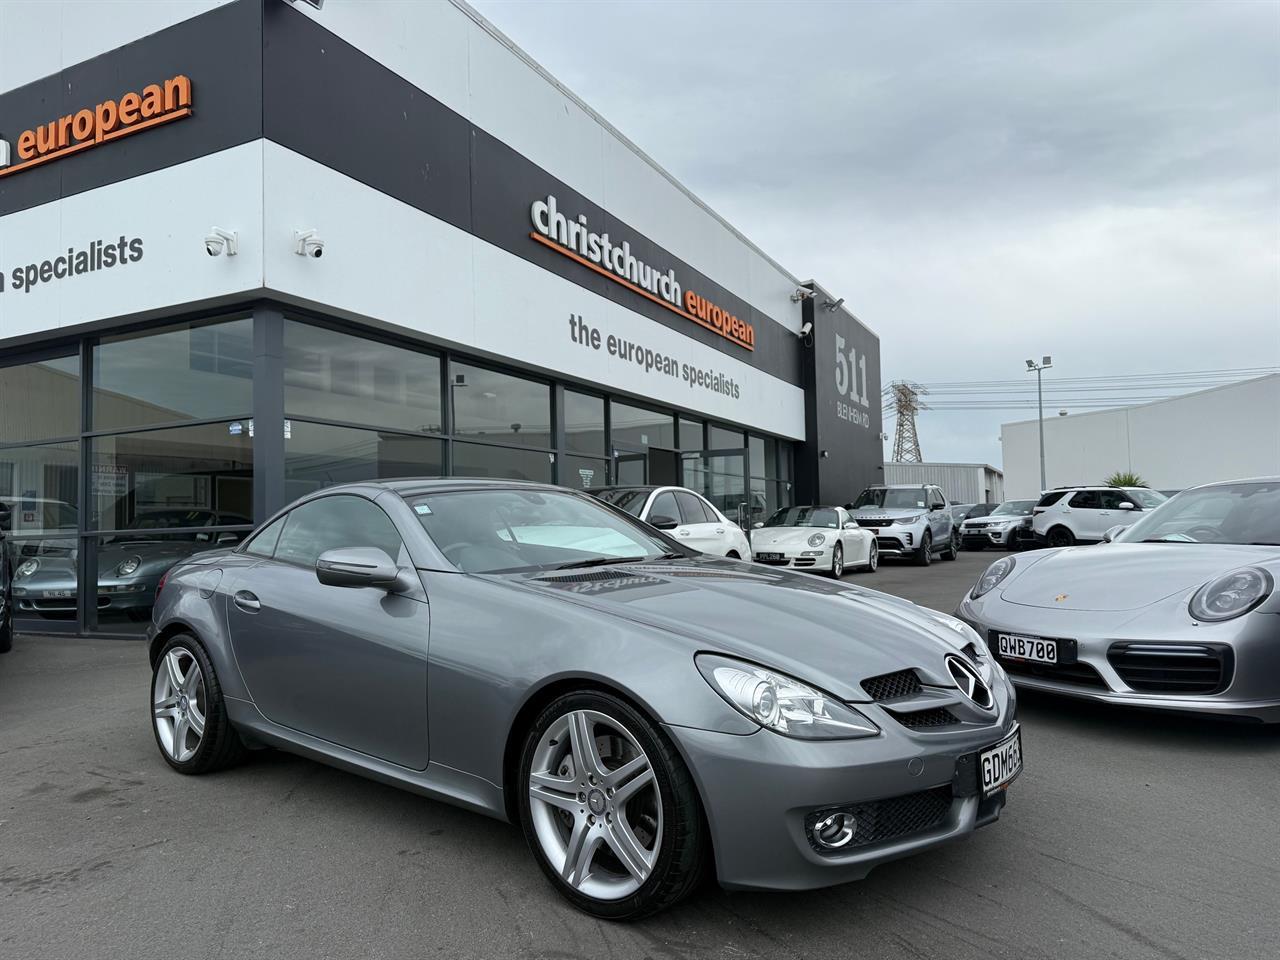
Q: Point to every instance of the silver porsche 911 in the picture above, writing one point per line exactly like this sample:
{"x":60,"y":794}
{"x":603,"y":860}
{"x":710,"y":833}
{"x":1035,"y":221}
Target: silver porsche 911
{"x":638,"y":708}
{"x":1178,"y":611}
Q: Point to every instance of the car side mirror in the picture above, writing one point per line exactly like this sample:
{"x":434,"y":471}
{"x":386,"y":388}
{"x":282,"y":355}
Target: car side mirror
{"x":360,"y":567}
{"x":850,"y":525}
{"x":1112,"y":533}
{"x":225,"y":538}
{"x":661,"y":522}
{"x":757,"y":525}
{"x":938,"y":506}
{"x":1126,"y":505}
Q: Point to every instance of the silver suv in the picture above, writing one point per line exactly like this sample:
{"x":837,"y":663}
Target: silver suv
{"x":1071,"y":515}
{"x":910,"y":520}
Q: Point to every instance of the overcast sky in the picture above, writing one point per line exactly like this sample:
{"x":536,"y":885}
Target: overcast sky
{"x":982,"y":182}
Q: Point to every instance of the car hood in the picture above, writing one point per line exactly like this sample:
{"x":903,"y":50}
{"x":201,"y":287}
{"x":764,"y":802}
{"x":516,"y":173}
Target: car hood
{"x":827,"y":634}
{"x":767,"y":537}
{"x":886,"y":513}
{"x":1123,"y":576}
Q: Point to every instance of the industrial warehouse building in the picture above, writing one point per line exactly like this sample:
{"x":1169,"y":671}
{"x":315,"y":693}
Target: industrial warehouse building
{"x":250,"y":249}
{"x":1223,"y":433}
{"x":961,"y":482}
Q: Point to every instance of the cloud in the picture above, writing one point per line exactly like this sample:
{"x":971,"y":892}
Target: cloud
{"x":982,"y":181}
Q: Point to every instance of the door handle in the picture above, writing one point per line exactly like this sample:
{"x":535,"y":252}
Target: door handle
{"x":682,"y":532}
{"x":246,"y":601}
{"x":719,"y":529}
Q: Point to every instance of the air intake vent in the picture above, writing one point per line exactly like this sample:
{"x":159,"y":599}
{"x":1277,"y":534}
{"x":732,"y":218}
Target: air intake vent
{"x":1171,"y":668}
{"x":933,"y":717}
{"x":892,"y":686}
{"x":587,"y":576}
{"x":883,"y":820}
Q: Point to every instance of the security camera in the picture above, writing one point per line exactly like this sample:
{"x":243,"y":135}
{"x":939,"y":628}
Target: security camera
{"x":806,"y":328}
{"x":318,"y":4}
{"x":831,"y":306}
{"x":307,"y":243}
{"x":801,"y":294}
{"x":219,"y":241}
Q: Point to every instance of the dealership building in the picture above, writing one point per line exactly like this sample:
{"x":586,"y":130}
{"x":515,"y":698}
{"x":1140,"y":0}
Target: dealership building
{"x":250,"y":249}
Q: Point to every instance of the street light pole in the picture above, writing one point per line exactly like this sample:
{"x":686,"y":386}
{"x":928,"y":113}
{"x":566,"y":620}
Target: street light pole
{"x":1044,"y":364}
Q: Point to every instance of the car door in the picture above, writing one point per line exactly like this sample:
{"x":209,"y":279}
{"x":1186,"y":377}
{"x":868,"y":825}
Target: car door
{"x":1113,"y":514}
{"x":939,"y":515}
{"x":1086,"y":516}
{"x":851,"y":540}
{"x":344,"y":664}
{"x":706,"y":530}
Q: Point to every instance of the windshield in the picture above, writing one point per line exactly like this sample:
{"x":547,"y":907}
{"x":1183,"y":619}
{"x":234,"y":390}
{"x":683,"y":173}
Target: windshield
{"x":1013,"y":508}
{"x":630,"y":500}
{"x":805,"y":517}
{"x":1230,"y":513}
{"x":890,"y":498}
{"x":504,"y":531}
{"x":1150,"y":499}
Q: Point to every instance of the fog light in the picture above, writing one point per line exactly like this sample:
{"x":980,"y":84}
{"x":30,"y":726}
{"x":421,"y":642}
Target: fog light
{"x":834,"y":831}
{"x":908,"y":538}
{"x":811,"y":553}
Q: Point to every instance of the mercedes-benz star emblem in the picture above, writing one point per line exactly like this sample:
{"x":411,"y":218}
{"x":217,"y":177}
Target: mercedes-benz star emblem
{"x":970,"y":684}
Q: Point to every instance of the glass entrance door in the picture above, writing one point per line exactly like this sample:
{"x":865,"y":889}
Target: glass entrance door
{"x":720,"y":476}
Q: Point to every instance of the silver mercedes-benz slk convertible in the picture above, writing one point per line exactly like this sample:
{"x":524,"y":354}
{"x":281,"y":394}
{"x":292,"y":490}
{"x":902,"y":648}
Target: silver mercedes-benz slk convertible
{"x":1177,"y":612}
{"x":638,"y":709}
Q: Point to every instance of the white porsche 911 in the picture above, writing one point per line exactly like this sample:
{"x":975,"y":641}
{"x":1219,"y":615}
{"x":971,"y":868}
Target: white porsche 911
{"x":817,"y":538}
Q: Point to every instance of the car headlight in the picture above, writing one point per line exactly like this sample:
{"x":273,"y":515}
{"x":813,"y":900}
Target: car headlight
{"x":992,"y":577}
{"x":906,"y":521}
{"x":782,"y":704}
{"x":817,"y":540}
{"x":1231,"y":595}
{"x":128,"y":567}
{"x":26,"y":568}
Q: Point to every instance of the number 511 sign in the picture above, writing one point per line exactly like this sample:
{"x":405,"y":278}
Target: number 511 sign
{"x":851,"y":382}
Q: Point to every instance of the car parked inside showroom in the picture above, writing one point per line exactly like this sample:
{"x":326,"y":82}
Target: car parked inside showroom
{"x":1177,"y":612}
{"x":688,"y":516}
{"x":6,"y":605}
{"x":130,"y":565}
{"x":909,"y":520}
{"x":1070,"y":515}
{"x":1008,"y":525}
{"x":636,"y":707}
{"x":816,"y":538}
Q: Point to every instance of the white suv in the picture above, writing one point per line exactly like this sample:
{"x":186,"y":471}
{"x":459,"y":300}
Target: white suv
{"x":1070,"y":515}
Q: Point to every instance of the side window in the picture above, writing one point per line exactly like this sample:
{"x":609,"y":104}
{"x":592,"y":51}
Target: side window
{"x":333,"y":522}
{"x":1111,"y":499}
{"x":692,"y":510}
{"x":264,"y":544}
{"x":1049,"y":499}
{"x":1085,"y":500}
{"x":664,"y":505}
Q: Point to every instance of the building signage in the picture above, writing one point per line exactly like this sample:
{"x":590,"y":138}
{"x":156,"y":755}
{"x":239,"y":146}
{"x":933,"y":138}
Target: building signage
{"x":574,"y":239}
{"x":157,"y":104}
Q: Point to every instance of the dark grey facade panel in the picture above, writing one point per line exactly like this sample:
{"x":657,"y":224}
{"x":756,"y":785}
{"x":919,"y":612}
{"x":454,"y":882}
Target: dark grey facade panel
{"x":221,"y":51}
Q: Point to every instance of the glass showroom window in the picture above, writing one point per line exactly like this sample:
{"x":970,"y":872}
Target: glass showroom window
{"x":319,"y":455}
{"x":769,"y":461}
{"x":190,"y":372}
{"x":583,"y":473}
{"x":40,"y":401}
{"x":507,"y":463}
{"x":638,"y":427}
{"x":499,"y":408}
{"x":334,"y":376}
{"x":691,"y":434}
{"x":584,"y":423}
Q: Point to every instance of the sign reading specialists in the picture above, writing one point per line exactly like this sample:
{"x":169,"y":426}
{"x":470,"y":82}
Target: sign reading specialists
{"x":601,"y":253}
{"x":109,"y":120}
{"x":92,"y":257}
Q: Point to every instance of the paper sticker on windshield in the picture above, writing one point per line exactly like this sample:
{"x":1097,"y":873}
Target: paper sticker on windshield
{"x":422,"y":510}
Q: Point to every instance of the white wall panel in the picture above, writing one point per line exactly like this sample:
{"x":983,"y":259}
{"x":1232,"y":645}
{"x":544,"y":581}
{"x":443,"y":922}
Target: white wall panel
{"x":171,"y":210}
{"x":38,"y":39}
{"x":392,"y":263}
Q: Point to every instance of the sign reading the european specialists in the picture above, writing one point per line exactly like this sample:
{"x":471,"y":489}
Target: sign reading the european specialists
{"x":109,"y":120}
{"x":574,"y":239}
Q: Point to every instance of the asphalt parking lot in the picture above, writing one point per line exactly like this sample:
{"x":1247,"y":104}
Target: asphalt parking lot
{"x":1127,"y":836}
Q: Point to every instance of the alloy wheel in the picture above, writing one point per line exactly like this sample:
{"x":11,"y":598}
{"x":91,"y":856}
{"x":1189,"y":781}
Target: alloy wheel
{"x":873,"y":557}
{"x":595,"y":805}
{"x":837,"y":562}
{"x":179,"y":704}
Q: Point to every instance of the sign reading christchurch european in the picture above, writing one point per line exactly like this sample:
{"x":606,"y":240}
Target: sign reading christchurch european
{"x":573,"y":238}
{"x":109,"y":120}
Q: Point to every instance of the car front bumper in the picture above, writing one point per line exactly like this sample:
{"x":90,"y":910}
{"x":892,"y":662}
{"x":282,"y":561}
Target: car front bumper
{"x":992,"y":536}
{"x":60,"y":598}
{"x":760,"y":789}
{"x":1244,"y":652}
{"x":800,"y":558}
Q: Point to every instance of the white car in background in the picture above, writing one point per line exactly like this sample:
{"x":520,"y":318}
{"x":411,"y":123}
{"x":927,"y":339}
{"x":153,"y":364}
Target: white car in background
{"x":815,"y":538}
{"x":1070,"y":515}
{"x":680,"y":513}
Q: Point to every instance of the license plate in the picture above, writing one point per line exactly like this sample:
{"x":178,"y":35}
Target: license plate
{"x":1001,"y":763}
{"x":1036,"y":649}
{"x":768,"y":556}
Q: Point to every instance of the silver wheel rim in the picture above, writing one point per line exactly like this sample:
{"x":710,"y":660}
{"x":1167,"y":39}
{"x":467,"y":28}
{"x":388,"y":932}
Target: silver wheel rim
{"x":874,"y":557}
{"x":837,"y":561}
{"x":179,"y":704}
{"x":596,"y":809}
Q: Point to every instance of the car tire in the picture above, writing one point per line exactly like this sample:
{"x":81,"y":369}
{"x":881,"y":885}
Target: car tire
{"x":6,"y":632}
{"x":837,"y":561}
{"x":953,"y":547}
{"x":1060,"y":536}
{"x":672,"y":841}
{"x":873,"y":557}
{"x":182,"y":702}
{"x":732,"y":555}
{"x":924,"y":555}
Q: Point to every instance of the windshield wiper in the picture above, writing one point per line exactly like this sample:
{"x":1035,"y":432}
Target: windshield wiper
{"x":597,"y":562}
